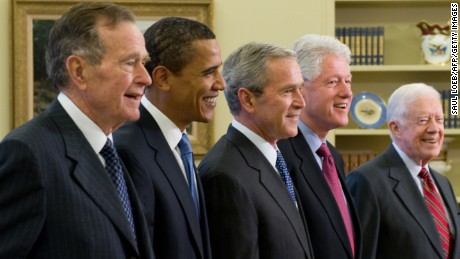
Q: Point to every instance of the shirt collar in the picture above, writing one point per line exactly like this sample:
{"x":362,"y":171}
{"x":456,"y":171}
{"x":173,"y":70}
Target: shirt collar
{"x":95,"y":136}
{"x":413,"y":167}
{"x":264,"y":146}
{"x":170,"y":131}
{"x":312,"y":139}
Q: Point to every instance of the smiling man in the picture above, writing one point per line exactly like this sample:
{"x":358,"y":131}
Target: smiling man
{"x":252,"y":206}
{"x":331,"y":217}
{"x":407,"y":209}
{"x":63,"y":192}
{"x":184,"y":66}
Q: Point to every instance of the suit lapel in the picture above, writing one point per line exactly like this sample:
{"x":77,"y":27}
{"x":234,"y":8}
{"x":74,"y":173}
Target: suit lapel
{"x":318,"y":184}
{"x":171,"y":170}
{"x":407,"y":191}
{"x":272,"y":183}
{"x":90,"y":173}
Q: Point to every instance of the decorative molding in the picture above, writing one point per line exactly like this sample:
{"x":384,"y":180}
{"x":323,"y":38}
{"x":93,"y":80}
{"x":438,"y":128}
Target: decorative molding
{"x":25,"y":11}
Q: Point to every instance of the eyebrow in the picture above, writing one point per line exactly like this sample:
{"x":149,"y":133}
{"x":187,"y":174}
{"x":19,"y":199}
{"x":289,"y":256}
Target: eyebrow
{"x":137,"y":56}
{"x":209,"y":69}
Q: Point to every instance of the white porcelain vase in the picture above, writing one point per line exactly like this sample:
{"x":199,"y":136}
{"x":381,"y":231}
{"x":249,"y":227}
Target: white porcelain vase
{"x":435,"y":43}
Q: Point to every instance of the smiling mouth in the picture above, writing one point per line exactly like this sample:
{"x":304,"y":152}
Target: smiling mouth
{"x":210,"y":100}
{"x":293,"y":116}
{"x":430,"y":141}
{"x":133,"y":96}
{"x":341,"y":105}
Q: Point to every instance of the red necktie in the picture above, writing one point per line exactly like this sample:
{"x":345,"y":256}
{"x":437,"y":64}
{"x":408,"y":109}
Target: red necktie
{"x":434,"y":202}
{"x":332,"y":179}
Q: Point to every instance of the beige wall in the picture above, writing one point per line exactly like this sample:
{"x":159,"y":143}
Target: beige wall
{"x":5,"y":67}
{"x":235,"y":23}
{"x":280,"y":22}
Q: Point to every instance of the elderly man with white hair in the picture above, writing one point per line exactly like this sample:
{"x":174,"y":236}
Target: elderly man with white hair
{"x":407,"y":210}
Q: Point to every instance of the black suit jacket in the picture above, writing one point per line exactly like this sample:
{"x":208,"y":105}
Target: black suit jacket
{"x":251,"y":214}
{"x":325,"y":224}
{"x":174,"y":226}
{"x":56,"y":199}
{"x":396,"y":222}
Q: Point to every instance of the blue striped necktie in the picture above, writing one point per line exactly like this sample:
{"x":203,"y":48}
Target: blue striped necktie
{"x":187,"y":159}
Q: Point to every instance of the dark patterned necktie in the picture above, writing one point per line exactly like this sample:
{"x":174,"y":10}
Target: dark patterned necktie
{"x":434,"y":202}
{"x":113,"y":168}
{"x":187,"y":159}
{"x":330,"y":173}
{"x":282,"y":168}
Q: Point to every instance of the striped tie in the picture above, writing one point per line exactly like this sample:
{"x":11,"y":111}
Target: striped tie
{"x":187,"y":160}
{"x":434,"y":202}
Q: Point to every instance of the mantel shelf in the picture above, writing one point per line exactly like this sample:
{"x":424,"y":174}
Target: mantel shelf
{"x":400,"y":68}
{"x":379,"y":132}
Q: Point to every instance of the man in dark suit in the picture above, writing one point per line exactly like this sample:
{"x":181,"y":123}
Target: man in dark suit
{"x":252,"y":206}
{"x":334,"y":229}
{"x":57,"y":199}
{"x":185,"y":60}
{"x":407,"y":209}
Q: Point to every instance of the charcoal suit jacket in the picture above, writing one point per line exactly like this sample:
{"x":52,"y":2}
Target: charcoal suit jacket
{"x":250,"y":212}
{"x":56,"y":198}
{"x":325,"y":224}
{"x":395,"y":219}
{"x":176,"y":230}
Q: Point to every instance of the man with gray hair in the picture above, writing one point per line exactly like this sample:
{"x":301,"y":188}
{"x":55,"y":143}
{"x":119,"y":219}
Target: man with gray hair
{"x":63,"y":191}
{"x":407,"y":209}
{"x":252,"y":206}
{"x":315,"y":165}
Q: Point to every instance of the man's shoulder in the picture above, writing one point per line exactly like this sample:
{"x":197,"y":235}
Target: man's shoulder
{"x":128,"y":133}
{"x":34,"y":129}
{"x":222,"y":156}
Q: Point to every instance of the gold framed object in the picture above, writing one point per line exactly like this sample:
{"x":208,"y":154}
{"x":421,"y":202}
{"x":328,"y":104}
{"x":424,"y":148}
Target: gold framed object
{"x":29,"y":13}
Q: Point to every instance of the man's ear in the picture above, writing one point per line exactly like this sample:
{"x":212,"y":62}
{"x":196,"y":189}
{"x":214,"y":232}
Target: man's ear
{"x":394,"y":128}
{"x":161,"y":77}
{"x":247,"y":99}
{"x":76,"y":67}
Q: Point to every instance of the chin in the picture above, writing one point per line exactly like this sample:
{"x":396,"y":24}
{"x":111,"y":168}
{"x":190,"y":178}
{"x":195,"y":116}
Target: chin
{"x":133,"y":116}
{"x":342,"y":123}
{"x":205,"y":117}
{"x":291,"y":133}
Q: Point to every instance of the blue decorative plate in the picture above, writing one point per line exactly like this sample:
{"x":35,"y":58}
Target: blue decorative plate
{"x":368,"y":110}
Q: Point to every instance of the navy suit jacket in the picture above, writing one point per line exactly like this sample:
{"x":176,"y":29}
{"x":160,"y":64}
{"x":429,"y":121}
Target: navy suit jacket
{"x":251,"y":214}
{"x":174,"y":226}
{"x":325,"y":224}
{"x":56,"y":199}
{"x":396,"y":221}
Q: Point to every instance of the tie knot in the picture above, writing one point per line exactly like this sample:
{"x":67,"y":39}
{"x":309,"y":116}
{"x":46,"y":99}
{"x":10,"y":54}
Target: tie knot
{"x":108,"y":151}
{"x":184,"y":145}
{"x":280,"y":159}
{"x":424,"y":174}
{"x":323,"y":151}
